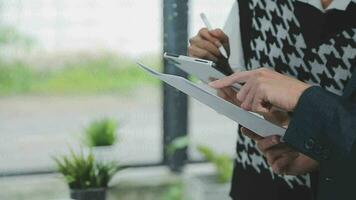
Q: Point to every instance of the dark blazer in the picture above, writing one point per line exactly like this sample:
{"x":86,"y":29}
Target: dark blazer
{"x":323,"y":127}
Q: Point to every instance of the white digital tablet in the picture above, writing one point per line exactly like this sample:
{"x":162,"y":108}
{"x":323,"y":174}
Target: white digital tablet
{"x":204,"y":70}
{"x":247,"y":119}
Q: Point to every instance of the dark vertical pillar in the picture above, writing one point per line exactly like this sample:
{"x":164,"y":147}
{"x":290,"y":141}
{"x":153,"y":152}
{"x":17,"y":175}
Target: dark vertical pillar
{"x":175,"y":118}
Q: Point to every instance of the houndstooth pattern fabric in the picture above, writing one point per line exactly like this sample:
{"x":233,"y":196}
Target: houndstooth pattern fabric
{"x":277,"y":42}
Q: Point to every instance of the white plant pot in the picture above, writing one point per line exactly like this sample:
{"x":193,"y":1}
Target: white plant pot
{"x":104,"y":153}
{"x":205,"y":187}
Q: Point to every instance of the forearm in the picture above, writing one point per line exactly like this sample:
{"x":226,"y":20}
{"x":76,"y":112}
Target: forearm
{"x":323,"y":125}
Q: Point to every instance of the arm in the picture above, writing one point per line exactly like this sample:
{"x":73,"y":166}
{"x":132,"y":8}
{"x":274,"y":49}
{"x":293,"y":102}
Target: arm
{"x":323,"y":125}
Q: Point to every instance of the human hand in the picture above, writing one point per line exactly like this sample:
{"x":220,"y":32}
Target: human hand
{"x":228,"y":94}
{"x":264,"y":89}
{"x":282,"y":158}
{"x":206,"y":44}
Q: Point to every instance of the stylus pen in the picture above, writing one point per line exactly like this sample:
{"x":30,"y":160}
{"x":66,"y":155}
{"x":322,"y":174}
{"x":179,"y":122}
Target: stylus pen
{"x":210,"y":28}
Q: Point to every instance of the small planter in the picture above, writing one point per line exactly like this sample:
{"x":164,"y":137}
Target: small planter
{"x":89,"y":194}
{"x":206,"y":187}
{"x":104,"y":153}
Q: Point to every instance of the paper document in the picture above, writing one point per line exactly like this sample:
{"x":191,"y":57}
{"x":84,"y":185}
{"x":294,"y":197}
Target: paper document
{"x":256,"y":124}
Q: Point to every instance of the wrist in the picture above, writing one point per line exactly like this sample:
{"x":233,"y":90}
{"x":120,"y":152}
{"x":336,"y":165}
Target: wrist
{"x":301,"y":88}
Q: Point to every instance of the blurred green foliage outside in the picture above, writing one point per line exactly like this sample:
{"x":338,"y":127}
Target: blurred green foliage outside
{"x":105,"y":74}
{"x":75,"y":73}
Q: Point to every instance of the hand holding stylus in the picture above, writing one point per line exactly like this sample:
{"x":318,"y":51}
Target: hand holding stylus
{"x":210,"y":28}
{"x":210,"y":45}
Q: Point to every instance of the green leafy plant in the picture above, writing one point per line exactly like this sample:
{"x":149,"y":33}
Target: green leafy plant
{"x":82,"y":171}
{"x":174,"y":192}
{"x":177,"y":144}
{"x":101,"y":133}
{"x":222,"y":163}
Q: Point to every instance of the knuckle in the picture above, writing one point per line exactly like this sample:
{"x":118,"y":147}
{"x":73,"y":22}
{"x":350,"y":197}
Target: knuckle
{"x":262,"y":72}
{"x":202,"y":31}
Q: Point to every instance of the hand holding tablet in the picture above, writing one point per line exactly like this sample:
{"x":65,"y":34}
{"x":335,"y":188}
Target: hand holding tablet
{"x":204,"y":70}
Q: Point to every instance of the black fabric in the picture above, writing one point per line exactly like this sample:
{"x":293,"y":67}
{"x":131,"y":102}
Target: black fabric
{"x":261,"y":186}
{"x":318,"y":27}
{"x":248,"y":184}
{"x":245,"y":27}
{"x":324,"y":49}
{"x":329,"y":121}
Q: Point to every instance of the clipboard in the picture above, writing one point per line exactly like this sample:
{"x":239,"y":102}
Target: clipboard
{"x":247,"y":119}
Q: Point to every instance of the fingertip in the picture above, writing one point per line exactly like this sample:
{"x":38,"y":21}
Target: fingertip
{"x":278,"y":167}
{"x":214,"y":84}
{"x":276,"y":140}
{"x":244,"y":106}
{"x":211,"y":79}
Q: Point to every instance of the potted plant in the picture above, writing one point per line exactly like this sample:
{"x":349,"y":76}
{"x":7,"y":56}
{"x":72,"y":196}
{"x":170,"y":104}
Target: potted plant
{"x":212,"y":185}
{"x":86,"y":178}
{"x":101,"y":136}
{"x":206,"y":186}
